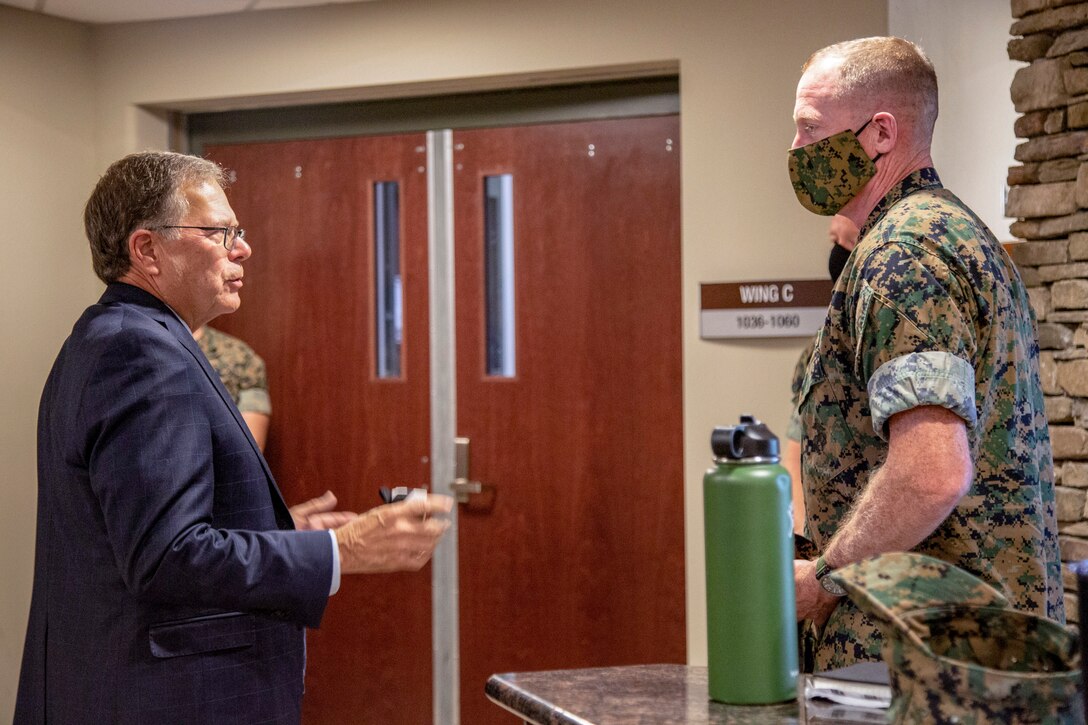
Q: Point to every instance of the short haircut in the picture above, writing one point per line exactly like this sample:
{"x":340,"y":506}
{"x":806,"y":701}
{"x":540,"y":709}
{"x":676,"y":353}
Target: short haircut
{"x":141,"y":191}
{"x":886,"y":68}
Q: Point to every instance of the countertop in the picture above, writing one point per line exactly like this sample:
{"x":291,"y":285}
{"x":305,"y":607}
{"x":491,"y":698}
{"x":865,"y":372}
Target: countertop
{"x":635,"y":695}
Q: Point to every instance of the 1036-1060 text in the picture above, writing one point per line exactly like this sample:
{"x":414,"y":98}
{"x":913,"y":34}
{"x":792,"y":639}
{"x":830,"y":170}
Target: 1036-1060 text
{"x":776,"y":321}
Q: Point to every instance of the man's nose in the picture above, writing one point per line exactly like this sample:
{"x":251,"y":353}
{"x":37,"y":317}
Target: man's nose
{"x":241,"y":250}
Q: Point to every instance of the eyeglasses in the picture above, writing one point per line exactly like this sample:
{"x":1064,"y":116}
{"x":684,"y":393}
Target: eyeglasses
{"x":230,"y":234}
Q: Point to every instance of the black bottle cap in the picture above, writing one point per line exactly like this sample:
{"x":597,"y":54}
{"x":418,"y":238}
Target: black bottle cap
{"x":748,"y":439}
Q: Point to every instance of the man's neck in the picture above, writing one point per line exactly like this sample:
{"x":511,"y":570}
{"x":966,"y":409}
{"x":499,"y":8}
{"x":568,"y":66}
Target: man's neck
{"x":888,"y":176}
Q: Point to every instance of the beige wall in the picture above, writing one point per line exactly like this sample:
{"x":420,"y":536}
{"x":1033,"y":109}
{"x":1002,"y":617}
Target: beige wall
{"x":738,"y":68}
{"x":973,"y":143}
{"x":46,"y":136}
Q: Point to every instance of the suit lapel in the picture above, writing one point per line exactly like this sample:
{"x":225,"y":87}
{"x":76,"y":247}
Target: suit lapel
{"x":186,"y":339}
{"x":157,"y":310}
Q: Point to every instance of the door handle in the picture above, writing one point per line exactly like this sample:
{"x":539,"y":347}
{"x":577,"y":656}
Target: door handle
{"x":462,"y":487}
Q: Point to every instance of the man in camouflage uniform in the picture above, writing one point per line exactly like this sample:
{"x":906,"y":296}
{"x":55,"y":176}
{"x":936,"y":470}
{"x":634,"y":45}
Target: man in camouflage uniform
{"x":243,"y":374}
{"x":922,"y":406}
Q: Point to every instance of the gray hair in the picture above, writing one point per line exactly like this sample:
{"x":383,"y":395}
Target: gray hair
{"x":141,"y":191}
{"x":886,"y":70}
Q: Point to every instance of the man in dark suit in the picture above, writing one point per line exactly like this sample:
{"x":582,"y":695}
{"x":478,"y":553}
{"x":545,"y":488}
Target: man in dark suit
{"x":172,"y":584}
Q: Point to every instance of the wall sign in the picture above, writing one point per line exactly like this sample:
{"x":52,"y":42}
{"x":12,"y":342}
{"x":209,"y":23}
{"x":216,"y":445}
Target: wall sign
{"x":790,"y":308}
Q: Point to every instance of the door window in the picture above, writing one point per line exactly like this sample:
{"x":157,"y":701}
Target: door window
{"x":388,"y":310}
{"x":499,"y":273}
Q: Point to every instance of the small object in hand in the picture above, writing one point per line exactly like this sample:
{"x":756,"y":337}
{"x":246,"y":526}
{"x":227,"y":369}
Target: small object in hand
{"x":399,"y":493}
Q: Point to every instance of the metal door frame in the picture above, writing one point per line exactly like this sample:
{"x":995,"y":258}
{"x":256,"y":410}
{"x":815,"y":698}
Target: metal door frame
{"x":445,"y":627}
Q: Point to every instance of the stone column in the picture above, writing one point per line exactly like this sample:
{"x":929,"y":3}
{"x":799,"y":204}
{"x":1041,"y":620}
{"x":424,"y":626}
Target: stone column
{"x":1048,"y":194}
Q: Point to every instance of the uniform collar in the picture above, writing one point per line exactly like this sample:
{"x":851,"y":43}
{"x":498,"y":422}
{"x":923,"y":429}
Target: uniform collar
{"x":917,"y":181}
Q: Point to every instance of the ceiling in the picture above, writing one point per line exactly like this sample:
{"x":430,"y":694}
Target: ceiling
{"x":123,"y":11}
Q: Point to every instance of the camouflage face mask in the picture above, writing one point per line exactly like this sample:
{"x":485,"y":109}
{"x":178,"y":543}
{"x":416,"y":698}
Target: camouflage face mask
{"x":828,"y":173}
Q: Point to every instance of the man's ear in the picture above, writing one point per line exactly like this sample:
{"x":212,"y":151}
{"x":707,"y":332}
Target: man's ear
{"x":887,"y":132}
{"x":145,"y":252}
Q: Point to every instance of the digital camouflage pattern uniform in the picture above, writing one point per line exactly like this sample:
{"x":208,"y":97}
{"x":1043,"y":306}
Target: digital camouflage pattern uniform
{"x":956,"y":650}
{"x":241,"y":369}
{"x":794,"y":431}
{"x":930,"y":310}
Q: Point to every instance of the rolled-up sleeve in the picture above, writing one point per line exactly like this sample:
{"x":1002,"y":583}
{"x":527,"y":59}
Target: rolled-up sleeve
{"x":922,"y":378}
{"x":916,"y":333}
{"x":255,"y":400}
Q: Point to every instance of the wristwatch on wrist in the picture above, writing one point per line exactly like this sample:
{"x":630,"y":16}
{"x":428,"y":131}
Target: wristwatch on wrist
{"x":826,"y":582}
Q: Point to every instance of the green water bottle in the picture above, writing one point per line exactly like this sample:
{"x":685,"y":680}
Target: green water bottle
{"x":751,"y":612}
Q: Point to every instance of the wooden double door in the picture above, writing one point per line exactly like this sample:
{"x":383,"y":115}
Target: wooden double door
{"x":572,"y":555}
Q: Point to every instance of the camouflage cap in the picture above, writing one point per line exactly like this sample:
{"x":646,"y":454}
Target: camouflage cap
{"x":957,"y":651}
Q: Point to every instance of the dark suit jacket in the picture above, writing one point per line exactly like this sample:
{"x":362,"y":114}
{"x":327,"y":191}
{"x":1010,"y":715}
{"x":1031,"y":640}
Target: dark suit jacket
{"x":168,"y":584}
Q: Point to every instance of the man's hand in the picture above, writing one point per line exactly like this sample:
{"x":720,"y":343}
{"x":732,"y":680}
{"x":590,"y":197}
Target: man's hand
{"x":399,"y":536}
{"x":813,"y":603}
{"x":317,"y":513}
